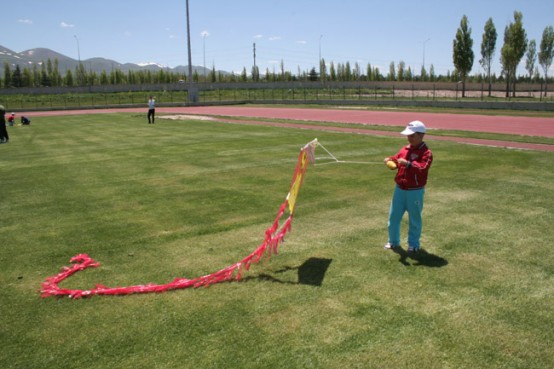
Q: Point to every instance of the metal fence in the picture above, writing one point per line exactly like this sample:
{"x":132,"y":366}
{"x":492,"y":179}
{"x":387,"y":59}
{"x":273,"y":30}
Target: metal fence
{"x":527,"y":96}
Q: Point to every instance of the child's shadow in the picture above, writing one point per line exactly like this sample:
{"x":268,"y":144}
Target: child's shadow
{"x":421,"y":258}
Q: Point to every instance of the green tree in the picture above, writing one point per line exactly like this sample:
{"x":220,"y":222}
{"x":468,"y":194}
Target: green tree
{"x":463,"y":52}
{"x":55,"y":75}
{"x":27,"y":78}
{"x":92,"y":78}
{"x":546,"y":53}
{"x":377,"y":74}
{"x":392,"y":72}
{"x":255,"y":73}
{"x":312,"y":76}
{"x":80,"y":72}
{"x":401,"y":71}
{"x":515,"y":44}
{"x":117,"y":77}
{"x":16,"y":77}
{"x":7,"y":75}
{"x":44,"y":79}
{"x":423,"y":74}
{"x":132,"y":77}
{"x":408,"y":75}
{"x":369,"y":72}
{"x":36,"y":75}
{"x":213,"y":74}
{"x":322,"y":70}
{"x":49,"y":69}
{"x":356,"y":72}
{"x":531,"y":58}
{"x":332,"y":72}
{"x":347,"y":72}
{"x":340,"y":72}
{"x":104,"y":80}
{"x":488,"y":46}
{"x":68,"y":80}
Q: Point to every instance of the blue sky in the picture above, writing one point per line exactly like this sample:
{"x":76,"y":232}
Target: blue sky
{"x":291,"y":31}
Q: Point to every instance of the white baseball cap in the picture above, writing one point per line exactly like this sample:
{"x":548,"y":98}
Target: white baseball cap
{"x":414,"y":127}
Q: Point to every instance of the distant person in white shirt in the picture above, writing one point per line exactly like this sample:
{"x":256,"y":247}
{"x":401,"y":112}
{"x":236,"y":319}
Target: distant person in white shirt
{"x":151,"y":110}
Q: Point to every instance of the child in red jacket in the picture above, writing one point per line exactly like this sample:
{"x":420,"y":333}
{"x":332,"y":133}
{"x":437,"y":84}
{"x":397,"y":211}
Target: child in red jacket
{"x":413,"y":162}
{"x":11,"y":119}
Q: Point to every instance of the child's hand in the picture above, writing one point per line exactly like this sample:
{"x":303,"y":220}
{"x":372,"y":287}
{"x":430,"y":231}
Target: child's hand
{"x":402,"y":162}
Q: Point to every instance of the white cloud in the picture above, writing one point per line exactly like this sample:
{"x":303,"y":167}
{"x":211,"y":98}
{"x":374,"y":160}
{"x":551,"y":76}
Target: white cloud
{"x":258,"y":36}
{"x":25,"y":21}
{"x":301,"y":42}
{"x":66,"y":25}
{"x":275,"y":38}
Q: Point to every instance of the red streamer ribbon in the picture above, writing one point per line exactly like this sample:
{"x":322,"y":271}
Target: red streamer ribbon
{"x":274,"y":236}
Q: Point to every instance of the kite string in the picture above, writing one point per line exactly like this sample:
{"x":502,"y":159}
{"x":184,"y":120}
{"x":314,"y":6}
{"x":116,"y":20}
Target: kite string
{"x":344,"y":161}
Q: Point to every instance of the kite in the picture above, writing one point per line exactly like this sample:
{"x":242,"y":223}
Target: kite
{"x":274,"y":236}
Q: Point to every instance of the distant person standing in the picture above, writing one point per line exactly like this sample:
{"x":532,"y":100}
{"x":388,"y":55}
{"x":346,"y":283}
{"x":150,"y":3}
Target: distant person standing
{"x":4,"y":138}
{"x":151,"y":110}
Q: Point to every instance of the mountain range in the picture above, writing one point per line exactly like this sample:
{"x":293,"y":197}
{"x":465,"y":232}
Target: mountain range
{"x":37,"y":56}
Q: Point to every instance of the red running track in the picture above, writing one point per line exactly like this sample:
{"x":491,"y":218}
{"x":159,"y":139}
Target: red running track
{"x":527,"y":126}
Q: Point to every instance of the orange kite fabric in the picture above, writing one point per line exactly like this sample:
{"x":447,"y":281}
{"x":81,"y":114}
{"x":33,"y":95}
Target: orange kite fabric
{"x":274,"y":235}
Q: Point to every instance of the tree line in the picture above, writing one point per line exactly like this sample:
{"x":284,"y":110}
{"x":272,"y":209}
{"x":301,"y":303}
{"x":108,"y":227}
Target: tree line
{"x":515,"y":47}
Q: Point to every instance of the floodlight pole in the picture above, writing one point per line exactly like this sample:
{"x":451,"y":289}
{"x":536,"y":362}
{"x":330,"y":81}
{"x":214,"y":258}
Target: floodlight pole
{"x":424,"y":42}
{"x":320,"y":37}
{"x":204,"y":52}
{"x":192,"y":90}
{"x":320,"y":63}
{"x":79,"y":58}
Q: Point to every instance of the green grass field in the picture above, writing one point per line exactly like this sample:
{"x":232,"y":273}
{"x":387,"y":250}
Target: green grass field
{"x":186,"y":198}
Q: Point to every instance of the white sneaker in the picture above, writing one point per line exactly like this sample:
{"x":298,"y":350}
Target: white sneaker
{"x":390,"y":246}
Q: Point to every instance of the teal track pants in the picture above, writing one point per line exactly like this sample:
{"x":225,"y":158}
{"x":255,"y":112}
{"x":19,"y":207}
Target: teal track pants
{"x":410,"y":201}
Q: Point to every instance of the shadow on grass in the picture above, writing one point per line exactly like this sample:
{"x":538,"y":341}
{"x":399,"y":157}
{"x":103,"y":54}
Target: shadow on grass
{"x":311,"y":273}
{"x":421,"y":258}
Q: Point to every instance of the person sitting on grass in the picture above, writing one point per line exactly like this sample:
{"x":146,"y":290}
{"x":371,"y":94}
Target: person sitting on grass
{"x":11,"y":119}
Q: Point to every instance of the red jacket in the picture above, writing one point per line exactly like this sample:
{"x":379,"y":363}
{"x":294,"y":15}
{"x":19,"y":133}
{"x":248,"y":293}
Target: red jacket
{"x":414,"y":175}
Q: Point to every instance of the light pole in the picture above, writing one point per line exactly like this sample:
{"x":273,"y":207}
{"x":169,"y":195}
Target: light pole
{"x":79,"y":58}
{"x":320,"y":66}
{"x":192,"y":91}
{"x":320,"y":37}
{"x":204,"y":35}
{"x":424,"y":42}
